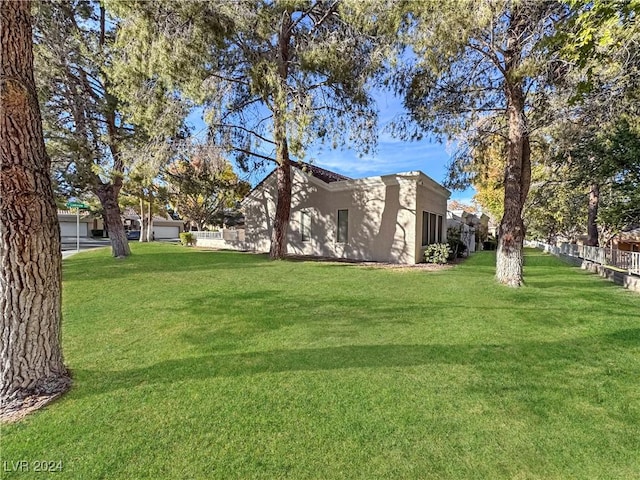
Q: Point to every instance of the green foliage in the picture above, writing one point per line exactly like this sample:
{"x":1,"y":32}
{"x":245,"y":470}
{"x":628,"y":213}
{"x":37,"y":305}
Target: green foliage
{"x":85,"y":124}
{"x":606,"y":154}
{"x":457,"y":247}
{"x":201,"y":184}
{"x":437,"y":253}
{"x":187,"y":239}
{"x":556,"y":209}
{"x":297,"y":67}
{"x":600,"y":37}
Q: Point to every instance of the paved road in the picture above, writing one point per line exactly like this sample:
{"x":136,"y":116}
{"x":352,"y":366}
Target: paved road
{"x":69,"y":245}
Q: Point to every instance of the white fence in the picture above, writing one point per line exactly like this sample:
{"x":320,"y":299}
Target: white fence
{"x":223,"y":235}
{"x":613,"y":257}
{"x":208,"y":235}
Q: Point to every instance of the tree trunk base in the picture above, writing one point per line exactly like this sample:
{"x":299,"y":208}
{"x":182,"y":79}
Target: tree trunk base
{"x":23,"y":403}
{"x":509,"y":263}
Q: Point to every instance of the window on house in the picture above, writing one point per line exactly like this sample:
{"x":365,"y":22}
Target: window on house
{"x":425,"y":228}
{"x":343,"y":226}
{"x":432,"y":227}
{"x":305,"y":225}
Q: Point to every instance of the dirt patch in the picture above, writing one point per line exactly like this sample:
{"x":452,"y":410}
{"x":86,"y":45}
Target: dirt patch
{"x":18,"y":409}
{"x":46,"y":392}
{"x":394,"y":266}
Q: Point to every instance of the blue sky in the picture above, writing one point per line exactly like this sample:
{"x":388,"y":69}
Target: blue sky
{"x":392,"y":155}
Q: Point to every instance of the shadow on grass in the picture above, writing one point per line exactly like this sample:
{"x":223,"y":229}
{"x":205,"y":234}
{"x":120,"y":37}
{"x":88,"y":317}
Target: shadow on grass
{"x":518,"y":359}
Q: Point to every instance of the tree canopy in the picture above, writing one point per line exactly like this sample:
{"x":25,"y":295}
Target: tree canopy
{"x":272,"y":76}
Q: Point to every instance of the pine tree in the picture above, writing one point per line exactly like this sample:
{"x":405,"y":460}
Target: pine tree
{"x":31,"y":363}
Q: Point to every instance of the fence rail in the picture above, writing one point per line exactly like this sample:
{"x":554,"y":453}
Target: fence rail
{"x":208,"y":235}
{"x":229,"y":235}
{"x":613,"y":257}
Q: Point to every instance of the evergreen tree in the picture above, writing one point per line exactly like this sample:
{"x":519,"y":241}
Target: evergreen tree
{"x":274,"y":76}
{"x":479,"y":71}
{"x":31,"y":363}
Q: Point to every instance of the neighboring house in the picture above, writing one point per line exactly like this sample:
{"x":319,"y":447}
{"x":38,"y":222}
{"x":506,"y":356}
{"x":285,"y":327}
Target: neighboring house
{"x":471,"y":226}
{"x":459,"y":219}
{"x":68,"y":221}
{"x":388,"y":218}
{"x":628,"y":241}
{"x":163,"y":228}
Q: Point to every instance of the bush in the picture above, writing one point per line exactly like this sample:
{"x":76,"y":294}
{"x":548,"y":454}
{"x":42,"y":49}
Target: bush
{"x":187,"y":239}
{"x":437,"y":253}
{"x":457,"y":247}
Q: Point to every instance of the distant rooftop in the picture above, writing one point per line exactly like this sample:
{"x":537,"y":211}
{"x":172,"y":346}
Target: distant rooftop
{"x":327,"y":176}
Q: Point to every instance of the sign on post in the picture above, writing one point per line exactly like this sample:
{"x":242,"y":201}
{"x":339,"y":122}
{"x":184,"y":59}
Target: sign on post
{"x":78,"y":206}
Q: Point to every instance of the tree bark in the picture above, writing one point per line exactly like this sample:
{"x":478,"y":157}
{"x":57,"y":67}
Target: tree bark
{"x":31,"y":362}
{"x":150,"y":219}
{"x":108,"y":195}
{"x":592,"y":215}
{"x":278,"y":248}
{"x":283,"y":206}
{"x":143,"y":221}
{"x":509,"y":255}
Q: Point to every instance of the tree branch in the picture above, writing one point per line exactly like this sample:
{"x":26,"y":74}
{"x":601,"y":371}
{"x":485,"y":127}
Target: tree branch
{"x":224,"y":125}
{"x":254,"y":154}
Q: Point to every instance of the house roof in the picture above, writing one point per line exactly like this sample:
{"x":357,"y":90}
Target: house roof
{"x":327,"y":176}
{"x":337,"y":182}
{"x":322,"y":174}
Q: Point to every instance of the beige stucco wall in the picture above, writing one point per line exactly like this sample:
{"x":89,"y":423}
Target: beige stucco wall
{"x":430,"y":197}
{"x":383,"y":225}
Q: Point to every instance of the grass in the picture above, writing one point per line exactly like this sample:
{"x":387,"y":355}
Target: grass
{"x":197,"y":364}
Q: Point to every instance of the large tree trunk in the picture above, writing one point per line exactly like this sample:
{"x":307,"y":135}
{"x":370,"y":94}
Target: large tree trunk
{"x":31,"y":361}
{"x":592,"y":215}
{"x":108,"y":195}
{"x":283,"y":206}
{"x":283,"y":171}
{"x":509,"y":260}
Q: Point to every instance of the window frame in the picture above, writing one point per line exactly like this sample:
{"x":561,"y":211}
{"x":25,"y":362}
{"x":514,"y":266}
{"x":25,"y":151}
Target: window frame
{"x":342,"y":238}
{"x":432,"y":233}
{"x":305,"y":228}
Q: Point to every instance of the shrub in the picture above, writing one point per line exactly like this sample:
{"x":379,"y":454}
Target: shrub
{"x":437,"y":253}
{"x":457,"y":247}
{"x":187,"y":239}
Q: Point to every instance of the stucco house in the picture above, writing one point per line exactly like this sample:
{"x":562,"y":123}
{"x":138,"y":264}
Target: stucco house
{"x":470,"y":225}
{"x":69,"y":224}
{"x":388,"y":218}
{"x":163,"y":228}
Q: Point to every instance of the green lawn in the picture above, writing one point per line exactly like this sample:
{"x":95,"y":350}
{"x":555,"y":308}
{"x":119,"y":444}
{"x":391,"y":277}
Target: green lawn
{"x":197,"y":364}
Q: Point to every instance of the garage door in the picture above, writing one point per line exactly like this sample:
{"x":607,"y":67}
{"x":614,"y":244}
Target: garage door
{"x":166,"y":232}
{"x":68,"y":229}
